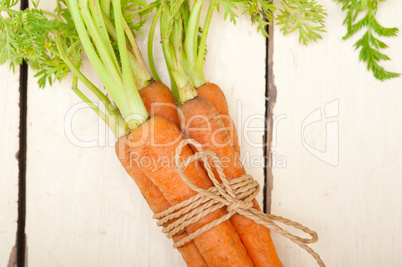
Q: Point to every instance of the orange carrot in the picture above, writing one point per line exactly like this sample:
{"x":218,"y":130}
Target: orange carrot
{"x":159,"y":101}
{"x":214,"y":94}
{"x":197,"y":114}
{"x":151,"y":149}
{"x":158,"y":203}
{"x":200,"y":120}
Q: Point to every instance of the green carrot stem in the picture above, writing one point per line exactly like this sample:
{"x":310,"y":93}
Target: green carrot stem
{"x":142,"y":74}
{"x":138,"y":112}
{"x":151,"y":44}
{"x":8,"y":10}
{"x":115,"y":126}
{"x":73,"y":47}
{"x":92,"y":54}
{"x":138,"y":67}
{"x":197,"y":72}
{"x":172,"y":45}
{"x":105,"y":5}
{"x":205,"y":30}
{"x":141,"y":10}
{"x":100,"y":113}
{"x":109,"y":77}
{"x":107,"y":59}
{"x":195,"y":47}
{"x":190,"y":43}
{"x":99,"y":23}
{"x":177,"y":77}
{"x":104,"y":99}
{"x":185,"y":87}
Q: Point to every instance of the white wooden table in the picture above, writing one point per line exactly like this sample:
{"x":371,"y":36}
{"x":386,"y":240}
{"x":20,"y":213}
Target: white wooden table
{"x":342,"y":178}
{"x":9,"y":144}
{"x":84,"y":210}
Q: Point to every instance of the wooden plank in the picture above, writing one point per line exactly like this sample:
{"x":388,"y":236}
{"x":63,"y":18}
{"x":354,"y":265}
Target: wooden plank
{"x":237,"y":64}
{"x":9,"y":143}
{"x":349,"y":193}
{"x":82,"y":208}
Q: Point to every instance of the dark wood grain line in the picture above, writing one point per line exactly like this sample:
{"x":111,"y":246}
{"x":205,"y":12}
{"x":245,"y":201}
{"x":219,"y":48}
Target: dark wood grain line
{"x":21,"y":237}
{"x":270,"y":100}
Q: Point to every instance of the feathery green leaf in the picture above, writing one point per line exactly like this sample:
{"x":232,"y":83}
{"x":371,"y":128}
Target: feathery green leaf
{"x":369,"y":45}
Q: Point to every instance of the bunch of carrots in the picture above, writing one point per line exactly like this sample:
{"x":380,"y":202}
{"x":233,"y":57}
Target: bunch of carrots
{"x":148,"y":119}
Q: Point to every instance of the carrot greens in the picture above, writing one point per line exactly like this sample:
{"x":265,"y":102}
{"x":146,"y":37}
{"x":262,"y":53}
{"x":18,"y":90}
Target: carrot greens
{"x":29,"y":35}
{"x":305,"y":17}
{"x":369,"y":44}
{"x":184,"y":33}
{"x":52,"y":43}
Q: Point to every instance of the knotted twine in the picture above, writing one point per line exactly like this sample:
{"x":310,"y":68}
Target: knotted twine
{"x":236,"y":195}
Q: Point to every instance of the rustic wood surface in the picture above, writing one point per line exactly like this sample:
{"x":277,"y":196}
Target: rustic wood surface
{"x":355,"y":205}
{"x":9,"y":143}
{"x":82,"y":208}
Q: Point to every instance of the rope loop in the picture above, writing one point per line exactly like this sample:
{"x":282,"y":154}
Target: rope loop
{"x":236,"y":205}
{"x":236,"y":196}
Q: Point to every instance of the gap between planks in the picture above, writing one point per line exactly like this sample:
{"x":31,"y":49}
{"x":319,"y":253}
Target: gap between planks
{"x":270,"y":100}
{"x":21,"y":237}
{"x":21,"y":257}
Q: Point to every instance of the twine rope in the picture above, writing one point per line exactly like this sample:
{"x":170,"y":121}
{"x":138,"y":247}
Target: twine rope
{"x":236,"y":196}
